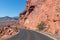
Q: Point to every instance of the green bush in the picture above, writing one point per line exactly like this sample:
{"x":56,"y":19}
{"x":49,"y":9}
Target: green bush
{"x":41,"y":26}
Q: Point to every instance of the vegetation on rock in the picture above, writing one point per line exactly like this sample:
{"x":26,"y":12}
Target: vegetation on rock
{"x":41,"y":26}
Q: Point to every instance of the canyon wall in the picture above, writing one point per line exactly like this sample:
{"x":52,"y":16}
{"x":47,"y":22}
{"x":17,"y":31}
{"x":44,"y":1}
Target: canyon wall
{"x":37,"y":11}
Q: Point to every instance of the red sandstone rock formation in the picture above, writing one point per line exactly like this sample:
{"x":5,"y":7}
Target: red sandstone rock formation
{"x":37,"y":11}
{"x":6,"y":30}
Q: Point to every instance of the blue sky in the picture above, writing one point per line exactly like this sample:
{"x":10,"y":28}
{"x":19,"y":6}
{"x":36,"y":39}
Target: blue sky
{"x":11,"y":7}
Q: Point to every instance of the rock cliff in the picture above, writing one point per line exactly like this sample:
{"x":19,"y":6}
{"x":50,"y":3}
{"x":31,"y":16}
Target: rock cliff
{"x":37,"y":11}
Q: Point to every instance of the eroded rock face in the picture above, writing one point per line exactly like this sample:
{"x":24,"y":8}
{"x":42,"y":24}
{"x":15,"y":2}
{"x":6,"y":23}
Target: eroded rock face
{"x":6,"y":31}
{"x":37,"y":11}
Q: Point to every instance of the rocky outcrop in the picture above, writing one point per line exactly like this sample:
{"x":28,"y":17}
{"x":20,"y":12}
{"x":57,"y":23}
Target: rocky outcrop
{"x":37,"y":11}
{"x":7,"y":30}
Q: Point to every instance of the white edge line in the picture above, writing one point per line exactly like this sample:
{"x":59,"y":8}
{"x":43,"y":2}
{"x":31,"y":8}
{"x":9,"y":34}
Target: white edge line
{"x":47,"y":35}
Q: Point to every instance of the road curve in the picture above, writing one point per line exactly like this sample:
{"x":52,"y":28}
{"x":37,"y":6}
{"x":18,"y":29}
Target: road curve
{"x":29,"y":35}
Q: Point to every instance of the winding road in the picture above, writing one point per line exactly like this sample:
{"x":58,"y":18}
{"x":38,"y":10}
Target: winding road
{"x":29,"y":35}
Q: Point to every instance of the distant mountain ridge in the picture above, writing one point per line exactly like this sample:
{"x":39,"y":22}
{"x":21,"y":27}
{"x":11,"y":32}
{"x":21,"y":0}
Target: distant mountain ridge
{"x":8,"y":18}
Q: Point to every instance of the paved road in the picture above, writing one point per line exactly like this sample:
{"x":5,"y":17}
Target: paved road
{"x":29,"y":35}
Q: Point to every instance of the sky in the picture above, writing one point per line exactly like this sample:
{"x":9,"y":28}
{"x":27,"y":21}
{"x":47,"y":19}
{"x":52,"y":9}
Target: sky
{"x":11,"y":7}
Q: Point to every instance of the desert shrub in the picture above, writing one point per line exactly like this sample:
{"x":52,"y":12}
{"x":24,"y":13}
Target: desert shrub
{"x":41,"y":26}
{"x":56,"y":32}
{"x":25,"y":27}
{"x":15,"y":29}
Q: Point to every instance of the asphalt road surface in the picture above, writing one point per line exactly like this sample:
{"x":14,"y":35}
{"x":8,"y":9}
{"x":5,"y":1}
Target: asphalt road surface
{"x":29,"y":35}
